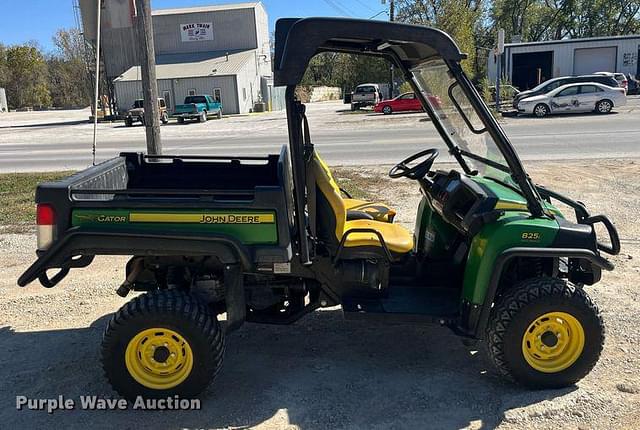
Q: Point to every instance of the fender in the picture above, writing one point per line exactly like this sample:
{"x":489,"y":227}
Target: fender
{"x":89,"y":243}
{"x":476,"y":317}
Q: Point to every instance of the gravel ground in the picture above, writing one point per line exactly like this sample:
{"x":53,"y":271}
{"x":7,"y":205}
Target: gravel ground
{"x":323,"y":372}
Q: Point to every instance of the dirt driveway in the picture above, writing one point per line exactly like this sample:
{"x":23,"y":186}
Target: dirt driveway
{"x":324,"y":372}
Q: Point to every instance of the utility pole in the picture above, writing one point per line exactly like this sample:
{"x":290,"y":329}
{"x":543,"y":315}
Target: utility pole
{"x":96,"y":94}
{"x":147,"y":52}
{"x":499,"y":52}
{"x":392,"y":17}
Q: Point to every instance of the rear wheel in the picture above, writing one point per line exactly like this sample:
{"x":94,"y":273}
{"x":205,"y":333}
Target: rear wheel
{"x":387,"y":110}
{"x":604,"y":106}
{"x":128,"y":122}
{"x":161,"y":344}
{"x":541,"y":110}
{"x":180,"y":120}
{"x":544,"y":333}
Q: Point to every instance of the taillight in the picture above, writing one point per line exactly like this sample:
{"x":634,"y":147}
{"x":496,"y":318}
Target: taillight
{"x":46,"y":220}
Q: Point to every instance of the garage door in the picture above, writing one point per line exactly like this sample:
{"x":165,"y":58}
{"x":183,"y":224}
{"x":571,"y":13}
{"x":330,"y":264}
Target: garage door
{"x":590,"y":60}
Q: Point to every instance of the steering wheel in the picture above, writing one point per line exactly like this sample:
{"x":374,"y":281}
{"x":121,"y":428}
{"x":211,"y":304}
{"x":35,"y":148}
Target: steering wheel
{"x":418,"y":171}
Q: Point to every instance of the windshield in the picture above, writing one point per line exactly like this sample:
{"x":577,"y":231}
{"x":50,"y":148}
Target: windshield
{"x":368,"y":89}
{"x":461,"y":123}
{"x":138,"y":104}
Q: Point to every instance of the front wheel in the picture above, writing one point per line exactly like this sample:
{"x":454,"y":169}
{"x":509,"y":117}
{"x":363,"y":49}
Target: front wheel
{"x":161,"y":344}
{"x":164,"y":118}
{"x":541,"y":110}
{"x":219,"y":114}
{"x":203,"y":116}
{"x":544,"y":333}
{"x":604,"y":106}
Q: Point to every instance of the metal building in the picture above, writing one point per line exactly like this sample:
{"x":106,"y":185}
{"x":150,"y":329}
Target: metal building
{"x":222,"y":50}
{"x":527,"y":64}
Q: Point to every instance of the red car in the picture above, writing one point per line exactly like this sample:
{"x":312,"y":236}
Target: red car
{"x":407,"y":102}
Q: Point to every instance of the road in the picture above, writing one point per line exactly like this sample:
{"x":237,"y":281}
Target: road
{"x":342,"y":138}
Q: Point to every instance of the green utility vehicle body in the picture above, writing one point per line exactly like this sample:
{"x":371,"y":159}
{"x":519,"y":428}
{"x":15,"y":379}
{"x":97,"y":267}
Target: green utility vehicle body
{"x":270,"y":239}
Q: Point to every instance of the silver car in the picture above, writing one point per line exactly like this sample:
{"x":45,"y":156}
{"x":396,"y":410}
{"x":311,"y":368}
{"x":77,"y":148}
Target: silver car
{"x":582,"y":97}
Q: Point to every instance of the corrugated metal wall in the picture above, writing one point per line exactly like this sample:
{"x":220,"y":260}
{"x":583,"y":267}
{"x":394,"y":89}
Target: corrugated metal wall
{"x":564,"y":53}
{"x":263,"y":41}
{"x":128,"y":91}
{"x":248,"y":86}
{"x":232,"y":29}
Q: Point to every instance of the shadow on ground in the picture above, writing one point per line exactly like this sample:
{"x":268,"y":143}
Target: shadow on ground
{"x":322,"y":372}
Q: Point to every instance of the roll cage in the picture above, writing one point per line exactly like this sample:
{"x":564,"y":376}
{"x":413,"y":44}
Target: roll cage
{"x":297,"y":41}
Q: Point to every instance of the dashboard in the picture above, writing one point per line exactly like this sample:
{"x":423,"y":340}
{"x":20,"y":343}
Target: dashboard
{"x":460,"y":201}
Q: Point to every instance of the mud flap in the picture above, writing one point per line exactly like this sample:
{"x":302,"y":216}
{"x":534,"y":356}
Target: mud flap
{"x":235,"y":301}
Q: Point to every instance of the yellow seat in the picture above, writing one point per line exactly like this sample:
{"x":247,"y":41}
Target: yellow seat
{"x":398,"y":239}
{"x":377,"y":210}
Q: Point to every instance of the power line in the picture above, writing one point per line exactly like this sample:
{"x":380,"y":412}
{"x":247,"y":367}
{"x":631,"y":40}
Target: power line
{"x":340,"y":9}
{"x":364,"y":4}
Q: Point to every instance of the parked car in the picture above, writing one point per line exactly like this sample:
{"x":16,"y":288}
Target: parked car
{"x":574,"y":98}
{"x":198,"y":107}
{"x":554,"y":83}
{"x":365,"y":95}
{"x":634,"y":85}
{"x":136,"y":113}
{"x":407,"y":102}
{"x":619,"y":77}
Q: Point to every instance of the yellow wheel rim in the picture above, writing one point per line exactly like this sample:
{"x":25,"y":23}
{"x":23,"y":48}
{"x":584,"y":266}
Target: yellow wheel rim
{"x":159,"y":358}
{"x":553,"y":342}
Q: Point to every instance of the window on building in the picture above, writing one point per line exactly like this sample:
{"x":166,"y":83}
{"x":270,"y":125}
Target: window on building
{"x":191,"y":92}
{"x":217,"y":95}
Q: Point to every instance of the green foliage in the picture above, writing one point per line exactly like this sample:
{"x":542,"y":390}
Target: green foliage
{"x":68,"y":78}
{"x":535,"y":20}
{"x":59,"y":79}
{"x":27,"y":77}
{"x":461,"y":19}
{"x":345,"y":70}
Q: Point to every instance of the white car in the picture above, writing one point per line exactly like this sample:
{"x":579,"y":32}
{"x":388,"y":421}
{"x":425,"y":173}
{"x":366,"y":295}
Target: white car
{"x":582,"y":97}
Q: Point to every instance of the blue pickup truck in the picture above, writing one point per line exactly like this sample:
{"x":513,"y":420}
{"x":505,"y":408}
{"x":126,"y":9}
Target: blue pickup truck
{"x":198,"y":107}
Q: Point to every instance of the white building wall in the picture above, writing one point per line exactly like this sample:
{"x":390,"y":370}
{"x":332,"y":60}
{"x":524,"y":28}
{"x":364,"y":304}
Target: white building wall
{"x":563,"y":55}
{"x":248,"y":86}
{"x":232,"y":29}
{"x":263,"y":41}
{"x":128,"y":91}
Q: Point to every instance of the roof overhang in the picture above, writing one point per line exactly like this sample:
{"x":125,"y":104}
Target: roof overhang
{"x":298,"y":40}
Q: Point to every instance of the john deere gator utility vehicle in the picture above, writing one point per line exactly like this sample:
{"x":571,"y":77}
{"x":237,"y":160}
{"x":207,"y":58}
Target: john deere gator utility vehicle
{"x":270,"y":239}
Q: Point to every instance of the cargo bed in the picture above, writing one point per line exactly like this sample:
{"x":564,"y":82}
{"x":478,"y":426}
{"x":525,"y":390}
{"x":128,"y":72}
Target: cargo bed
{"x":168,"y":205}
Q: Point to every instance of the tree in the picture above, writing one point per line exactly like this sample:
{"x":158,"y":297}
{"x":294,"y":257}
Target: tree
{"x":69,"y":81}
{"x":537,"y":20}
{"x":461,"y":19}
{"x":4,"y":70}
{"x":27,"y":77}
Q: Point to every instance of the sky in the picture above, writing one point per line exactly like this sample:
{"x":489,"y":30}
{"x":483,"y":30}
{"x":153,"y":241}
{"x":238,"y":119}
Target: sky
{"x":38,"y":20}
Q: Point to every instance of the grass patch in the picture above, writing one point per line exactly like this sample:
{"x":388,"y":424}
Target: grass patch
{"x":360,"y":186}
{"x":17,"y":193}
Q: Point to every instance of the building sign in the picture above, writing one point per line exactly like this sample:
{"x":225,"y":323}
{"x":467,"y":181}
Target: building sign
{"x":629,"y":58}
{"x":196,"y":31}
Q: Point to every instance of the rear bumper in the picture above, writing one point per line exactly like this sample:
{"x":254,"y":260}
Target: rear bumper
{"x":190,"y":115}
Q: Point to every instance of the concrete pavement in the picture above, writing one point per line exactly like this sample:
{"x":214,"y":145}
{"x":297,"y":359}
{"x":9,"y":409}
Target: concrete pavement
{"x":38,"y":143}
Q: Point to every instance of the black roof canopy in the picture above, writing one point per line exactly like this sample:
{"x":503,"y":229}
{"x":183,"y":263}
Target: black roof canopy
{"x":298,"y":40}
